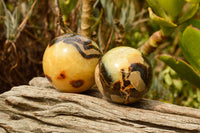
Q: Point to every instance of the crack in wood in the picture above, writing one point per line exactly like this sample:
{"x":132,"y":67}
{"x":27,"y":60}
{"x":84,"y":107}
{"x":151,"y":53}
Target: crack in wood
{"x":149,"y":124}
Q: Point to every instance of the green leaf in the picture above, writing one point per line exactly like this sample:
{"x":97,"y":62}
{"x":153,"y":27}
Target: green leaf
{"x":193,"y":22}
{"x":172,"y":7}
{"x":166,"y":26}
{"x":160,"y":21}
{"x":190,"y":45}
{"x":154,"y":4}
{"x":184,"y":70}
{"x":189,"y":13}
{"x":167,"y":31}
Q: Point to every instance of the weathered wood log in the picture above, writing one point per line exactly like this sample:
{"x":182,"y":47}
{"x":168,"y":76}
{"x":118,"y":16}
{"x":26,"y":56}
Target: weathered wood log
{"x":39,"y":108}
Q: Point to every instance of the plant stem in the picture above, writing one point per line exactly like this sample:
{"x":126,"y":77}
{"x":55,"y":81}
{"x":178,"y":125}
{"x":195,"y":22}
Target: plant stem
{"x":153,"y":42}
{"x":98,"y":20}
{"x":87,"y":17}
{"x":65,"y":28}
{"x":120,"y":38}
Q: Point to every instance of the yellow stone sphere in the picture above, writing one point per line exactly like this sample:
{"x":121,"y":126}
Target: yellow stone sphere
{"x":69,"y":63}
{"x":123,"y":75}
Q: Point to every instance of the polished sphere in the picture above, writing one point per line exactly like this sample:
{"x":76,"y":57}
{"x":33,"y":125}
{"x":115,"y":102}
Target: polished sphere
{"x":69,"y":63}
{"x":123,"y":75}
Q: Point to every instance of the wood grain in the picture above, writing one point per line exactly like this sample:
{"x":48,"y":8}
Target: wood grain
{"x":39,"y":108}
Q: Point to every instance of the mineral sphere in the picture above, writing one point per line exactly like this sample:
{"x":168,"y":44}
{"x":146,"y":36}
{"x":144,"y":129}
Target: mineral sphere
{"x":123,"y":75}
{"x":69,"y":63}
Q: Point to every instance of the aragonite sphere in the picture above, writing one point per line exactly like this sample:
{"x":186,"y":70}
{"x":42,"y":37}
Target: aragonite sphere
{"x":123,"y":75}
{"x":69,"y":63}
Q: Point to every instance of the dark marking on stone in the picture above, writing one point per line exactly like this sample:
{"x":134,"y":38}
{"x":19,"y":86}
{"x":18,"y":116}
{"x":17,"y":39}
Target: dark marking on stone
{"x":123,"y":94}
{"x":77,"y":83}
{"x":60,"y":38}
{"x":72,"y":39}
{"x":143,"y":71}
{"x":83,"y":40}
{"x":117,"y":85}
{"x":105,"y":74}
{"x":126,"y":83}
{"x":123,"y":74}
{"x":106,"y":87}
{"x":74,"y":43}
{"x":78,"y":39}
{"x":86,"y":56}
{"x":49,"y":78}
{"x":89,"y":46}
{"x":110,"y":88}
{"x":134,"y":93}
{"x":86,"y":41}
{"x":129,"y":72}
{"x":106,"y":81}
{"x":61,"y":76}
{"x":56,"y":40}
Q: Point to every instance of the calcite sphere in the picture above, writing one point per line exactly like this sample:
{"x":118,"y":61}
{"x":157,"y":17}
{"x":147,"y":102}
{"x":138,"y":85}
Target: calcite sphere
{"x":123,"y":75}
{"x":69,"y":63}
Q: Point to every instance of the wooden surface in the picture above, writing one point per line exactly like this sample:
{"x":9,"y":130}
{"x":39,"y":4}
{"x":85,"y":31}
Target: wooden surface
{"x":39,"y":108}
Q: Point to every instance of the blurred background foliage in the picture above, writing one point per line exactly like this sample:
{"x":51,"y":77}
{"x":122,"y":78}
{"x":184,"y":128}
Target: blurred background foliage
{"x":26,"y":27}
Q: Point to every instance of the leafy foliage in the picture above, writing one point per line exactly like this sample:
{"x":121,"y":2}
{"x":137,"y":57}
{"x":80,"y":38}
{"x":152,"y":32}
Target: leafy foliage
{"x":11,"y":22}
{"x":182,"y":68}
{"x":175,"y":13}
{"x":190,"y":40}
{"x":172,"y":7}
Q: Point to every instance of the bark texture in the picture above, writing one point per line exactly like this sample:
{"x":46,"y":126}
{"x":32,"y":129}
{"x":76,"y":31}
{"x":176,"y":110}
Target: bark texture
{"x":153,"y":42}
{"x":39,"y":108}
{"x":87,"y":17}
